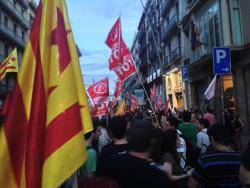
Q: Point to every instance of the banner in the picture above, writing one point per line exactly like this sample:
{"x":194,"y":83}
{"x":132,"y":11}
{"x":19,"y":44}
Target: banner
{"x":127,"y":68}
{"x":114,"y":41}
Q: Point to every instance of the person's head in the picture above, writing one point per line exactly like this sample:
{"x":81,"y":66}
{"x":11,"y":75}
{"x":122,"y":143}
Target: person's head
{"x":118,"y":127}
{"x":139,"y":136}
{"x":186,"y":116}
{"x":245,"y":168}
{"x":202,"y":124}
{"x":173,"y":122}
{"x":164,"y":123}
{"x":209,"y":110}
{"x":103,"y":122}
{"x":219,"y":135}
{"x":170,"y":142}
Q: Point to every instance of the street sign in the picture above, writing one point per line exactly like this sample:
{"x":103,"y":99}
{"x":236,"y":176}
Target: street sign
{"x":184,"y":71}
{"x":222,"y":61}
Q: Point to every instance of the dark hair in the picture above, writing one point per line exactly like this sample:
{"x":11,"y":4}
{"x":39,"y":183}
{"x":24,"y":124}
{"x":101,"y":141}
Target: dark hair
{"x":103,"y":122}
{"x":186,"y":116}
{"x":169,"y":142}
{"x":88,"y":135}
{"x":139,"y":135}
{"x":156,"y":142}
{"x":245,"y":158}
{"x":220,"y":134}
{"x":118,"y":127}
{"x":173,"y":121}
{"x":209,"y":110}
{"x":204,"y":122}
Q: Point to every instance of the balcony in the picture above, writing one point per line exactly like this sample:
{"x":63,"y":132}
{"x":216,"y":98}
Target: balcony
{"x":166,"y":6}
{"x":169,"y":28}
{"x":11,"y":35}
{"x":152,"y":54}
{"x":17,"y":15}
{"x":175,"y":54}
{"x":142,"y":48}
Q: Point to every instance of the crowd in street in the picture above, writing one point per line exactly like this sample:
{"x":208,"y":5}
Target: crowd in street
{"x":180,"y":149}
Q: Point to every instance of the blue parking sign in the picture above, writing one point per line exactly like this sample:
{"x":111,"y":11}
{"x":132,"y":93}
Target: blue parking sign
{"x":222,"y":61}
{"x":184,"y":71}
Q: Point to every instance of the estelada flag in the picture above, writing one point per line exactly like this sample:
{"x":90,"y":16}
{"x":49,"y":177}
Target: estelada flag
{"x":114,"y":41}
{"x":10,"y":64}
{"x":121,"y":109}
{"x":41,"y":137}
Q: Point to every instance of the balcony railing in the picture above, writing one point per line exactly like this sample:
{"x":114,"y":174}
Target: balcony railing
{"x":142,"y":48}
{"x":10,"y":34}
{"x":166,"y":6}
{"x":175,"y":54}
{"x":169,"y":28}
{"x":15,"y":12}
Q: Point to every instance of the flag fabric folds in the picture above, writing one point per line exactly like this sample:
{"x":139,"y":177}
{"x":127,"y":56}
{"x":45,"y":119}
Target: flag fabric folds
{"x":121,"y":60}
{"x":195,"y":35}
{"x":10,"y":64}
{"x":134,"y":103}
{"x":113,"y":41}
{"x":153,"y":93}
{"x":210,"y":91}
{"x":47,"y":114}
{"x":99,"y":93}
{"x":118,"y":89}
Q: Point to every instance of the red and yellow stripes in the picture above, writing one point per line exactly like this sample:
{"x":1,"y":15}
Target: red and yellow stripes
{"x":43,"y":144}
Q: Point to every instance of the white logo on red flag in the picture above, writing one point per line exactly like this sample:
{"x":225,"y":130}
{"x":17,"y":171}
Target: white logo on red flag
{"x":99,"y":93}
{"x":114,"y":41}
{"x":127,"y":68}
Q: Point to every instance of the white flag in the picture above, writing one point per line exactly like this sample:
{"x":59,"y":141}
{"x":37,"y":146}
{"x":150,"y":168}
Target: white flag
{"x":210,"y":92}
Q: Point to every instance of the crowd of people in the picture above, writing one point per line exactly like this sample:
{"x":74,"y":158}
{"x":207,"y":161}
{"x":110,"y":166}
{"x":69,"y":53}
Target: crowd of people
{"x":181,"y":149}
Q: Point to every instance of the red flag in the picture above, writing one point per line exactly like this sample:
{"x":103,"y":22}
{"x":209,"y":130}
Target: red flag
{"x":134,"y":102}
{"x":153,"y":93}
{"x":118,"y":89}
{"x":166,"y":106}
{"x":159,"y":102}
{"x":99,"y":91}
{"x":127,"y":68}
{"x":114,"y":41}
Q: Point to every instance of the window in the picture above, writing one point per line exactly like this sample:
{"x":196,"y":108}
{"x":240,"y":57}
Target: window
{"x":6,"y":50}
{"x":5,"y":20}
{"x":15,"y":28}
{"x":236,"y":22}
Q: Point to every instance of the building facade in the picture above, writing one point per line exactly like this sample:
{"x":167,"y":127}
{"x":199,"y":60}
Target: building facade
{"x":16,"y":17}
{"x":221,"y":24}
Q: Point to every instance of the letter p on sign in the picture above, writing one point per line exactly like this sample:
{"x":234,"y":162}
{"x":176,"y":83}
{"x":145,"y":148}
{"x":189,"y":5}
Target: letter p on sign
{"x":220,"y":54}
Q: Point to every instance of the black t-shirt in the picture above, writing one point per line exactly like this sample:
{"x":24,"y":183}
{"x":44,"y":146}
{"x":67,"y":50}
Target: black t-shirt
{"x":133,"y":172}
{"x":108,"y":151}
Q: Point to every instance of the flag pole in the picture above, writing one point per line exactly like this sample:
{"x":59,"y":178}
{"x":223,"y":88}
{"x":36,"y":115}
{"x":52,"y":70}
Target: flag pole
{"x":150,"y":103}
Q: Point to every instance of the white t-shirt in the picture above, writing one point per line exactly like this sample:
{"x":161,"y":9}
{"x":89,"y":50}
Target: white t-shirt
{"x":203,"y":140}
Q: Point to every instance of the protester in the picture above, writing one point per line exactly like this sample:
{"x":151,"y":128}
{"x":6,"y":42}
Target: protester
{"x":187,"y":128}
{"x":171,"y":160}
{"x":245,"y":168}
{"x":103,"y":138}
{"x":220,"y":168}
{"x":237,"y":125}
{"x":210,"y":116}
{"x":182,"y":147}
{"x":132,"y":169}
{"x":202,"y":137}
{"x":118,"y":129}
{"x":89,"y":168}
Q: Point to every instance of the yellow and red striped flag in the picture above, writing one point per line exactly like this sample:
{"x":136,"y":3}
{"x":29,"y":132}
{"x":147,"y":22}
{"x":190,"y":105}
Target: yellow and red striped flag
{"x":46,"y":116}
{"x":121,"y":109}
{"x":10,"y":64}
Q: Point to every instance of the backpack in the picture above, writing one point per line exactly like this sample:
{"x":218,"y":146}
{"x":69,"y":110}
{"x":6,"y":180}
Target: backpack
{"x":96,"y":182}
{"x":192,"y":153}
